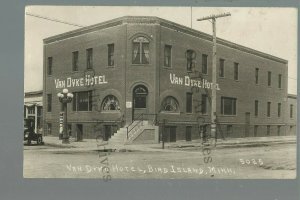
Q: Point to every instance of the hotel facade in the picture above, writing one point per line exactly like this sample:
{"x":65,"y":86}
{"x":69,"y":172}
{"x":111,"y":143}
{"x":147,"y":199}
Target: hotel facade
{"x":150,"y":70}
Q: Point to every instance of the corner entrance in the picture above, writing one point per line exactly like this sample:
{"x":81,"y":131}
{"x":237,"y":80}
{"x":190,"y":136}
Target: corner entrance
{"x":140,"y":101}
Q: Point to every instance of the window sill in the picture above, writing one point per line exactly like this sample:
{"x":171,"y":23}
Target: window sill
{"x":172,"y":113}
{"x":140,"y":64}
{"x":222,"y":115}
{"x":111,"y":112}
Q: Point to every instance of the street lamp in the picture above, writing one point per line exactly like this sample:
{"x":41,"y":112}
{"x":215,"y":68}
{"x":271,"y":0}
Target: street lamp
{"x":65,"y":97}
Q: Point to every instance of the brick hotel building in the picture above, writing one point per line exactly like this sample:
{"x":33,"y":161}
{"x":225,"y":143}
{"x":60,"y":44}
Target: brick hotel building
{"x":125,"y":67}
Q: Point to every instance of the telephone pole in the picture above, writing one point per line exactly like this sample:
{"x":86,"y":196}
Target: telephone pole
{"x":212,"y":19}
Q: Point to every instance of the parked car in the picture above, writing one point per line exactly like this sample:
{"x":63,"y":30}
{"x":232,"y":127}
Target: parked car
{"x":30,"y":135}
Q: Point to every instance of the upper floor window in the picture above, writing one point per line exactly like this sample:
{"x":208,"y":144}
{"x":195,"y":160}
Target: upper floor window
{"x":110,"y":54}
{"x":279,"y":80}
{"x":110,"y":103}
{"x":279,"y":110}
{"x":269,"y":78}
{"x":190,"y":59}
{"x":204,"y":100}
{"x":269,"y":109}
{"x":75,"y":57}
{"x":256,"y":108}
{"x":204,"y":64}
{"x":222,"y":68}
{"x":236,"y":71}
{"x":228,"y":106}
{"x":89,"y":58}
{"x":140,"y":51}
{"x":256,"y":75}
{"x":49,"y":66}
{"x":167,"y":55}
{"x":170,"y":104}
{"x":82,"y":101}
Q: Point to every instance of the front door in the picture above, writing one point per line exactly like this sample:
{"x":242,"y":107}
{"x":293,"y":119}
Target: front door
{"x":140,"y":101}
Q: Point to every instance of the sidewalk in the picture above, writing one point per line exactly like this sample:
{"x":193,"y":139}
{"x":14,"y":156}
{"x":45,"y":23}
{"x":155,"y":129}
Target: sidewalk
{"x":91,"y":144}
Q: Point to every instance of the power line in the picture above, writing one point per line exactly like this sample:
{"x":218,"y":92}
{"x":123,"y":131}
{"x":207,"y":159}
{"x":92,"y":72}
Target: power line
{"x":54,"y":20}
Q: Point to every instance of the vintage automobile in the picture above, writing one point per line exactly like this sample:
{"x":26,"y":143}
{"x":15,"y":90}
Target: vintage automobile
{"x":29,"y":134}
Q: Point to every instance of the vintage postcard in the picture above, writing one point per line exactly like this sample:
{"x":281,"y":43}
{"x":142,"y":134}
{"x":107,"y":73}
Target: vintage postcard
{"x":160,"y":92}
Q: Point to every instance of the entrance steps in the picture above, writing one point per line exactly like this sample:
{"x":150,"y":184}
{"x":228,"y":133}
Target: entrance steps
{"x":138,"y":132}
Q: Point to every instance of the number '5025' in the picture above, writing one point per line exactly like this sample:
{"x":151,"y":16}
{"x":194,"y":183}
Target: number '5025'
{"x":251,"y":161}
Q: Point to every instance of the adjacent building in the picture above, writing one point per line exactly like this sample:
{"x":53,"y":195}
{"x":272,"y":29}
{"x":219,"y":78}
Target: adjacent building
{"x":148,"y":68}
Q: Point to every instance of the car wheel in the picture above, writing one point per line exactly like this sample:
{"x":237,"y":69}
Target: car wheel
{"x":39,"y":140}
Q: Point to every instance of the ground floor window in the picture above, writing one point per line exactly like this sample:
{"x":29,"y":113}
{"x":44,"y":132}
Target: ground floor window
{"x":170,"y":104}
{"x":268,"y":129}
{"x":110,"y":103}
{"x":228,"y":106}
{"x":255,"y":130}
{"x":278,"y":130}
{"x":169,"y":134}
{"x":229,"y":130}
{"x":82,"y":101}
{"x":188,"y":133}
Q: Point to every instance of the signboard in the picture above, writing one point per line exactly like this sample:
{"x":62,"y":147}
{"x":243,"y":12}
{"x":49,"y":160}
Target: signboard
{"x":128,"y":104}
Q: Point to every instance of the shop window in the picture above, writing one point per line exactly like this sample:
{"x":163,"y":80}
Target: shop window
{"x":204,"y":64}
{"x":256,"y":75}
{"x":236,"y":71}
{"x":170,"y":104}
{"x":75,"y":57}
{"x":256,"y":108}
{"x":89,"y":58}
{"x":279,"y":80}
{"x":269,"y":109}
{"x":140,"y":51}
{"x":269,"y":78}
{"x":189,"y":102}
{"x":228,"y":106}
{"x":110,"y":103}
{"x":279,"y":110}
{"x":140,"y":97}
{"x":82,"y":101}
{"x":222,"y":68}
{"x":167,"y":55}
{"x":49,"y":64}
{"x":49,"y":102}
{"x":291,"y":111}
{"x":190,"y":58}
{"x":110,"y":53}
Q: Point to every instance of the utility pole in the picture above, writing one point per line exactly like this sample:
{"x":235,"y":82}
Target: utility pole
{"x":212,"y":19}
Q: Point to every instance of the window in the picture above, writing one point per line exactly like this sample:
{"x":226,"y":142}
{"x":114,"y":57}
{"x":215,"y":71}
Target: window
{"x":268,"y":129}
{"x":82,"y":101}
{"x":279,"y":80}
{"x":189,"y":103}
{"x":256,"y":108}
{"x":49,"y":64}
{"x":140,"y":51}
{"x":167,"y":56}
{"x":221,"y":68}
{"x":110,"y":103}
{"x":228,"y":106}
{"x":255,"y":130}
{"x":204,"y":103}
{"x":278,"y":130}
{"x":269,"y":109}
{"x":236,"y":71}
{"x":269,"y":78}
{"x":170,"y":104}
{"x":279,"y":110}
{"x":31,"y":110}
{"x":256,"y":75}
{"x":75,"y":60}
{"x":291,"y":111}
{"x":140,"y":97}
{"x":228,"y":130}
{"x":204,"y":64}
{"x":49,"y":129}
{"x":89,"y":58}
{"x":190,"y":60}
{"x":49,"y":102}
{"x":110,"y":54}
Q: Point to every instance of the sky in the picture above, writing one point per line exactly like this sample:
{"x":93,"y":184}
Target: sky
{"x":270,"y":30}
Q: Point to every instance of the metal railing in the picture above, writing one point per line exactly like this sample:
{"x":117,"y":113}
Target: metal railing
{"x":139,"y":120}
